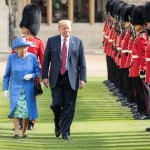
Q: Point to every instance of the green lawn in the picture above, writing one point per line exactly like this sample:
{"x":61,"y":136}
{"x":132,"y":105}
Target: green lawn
{"x":100,"y":123}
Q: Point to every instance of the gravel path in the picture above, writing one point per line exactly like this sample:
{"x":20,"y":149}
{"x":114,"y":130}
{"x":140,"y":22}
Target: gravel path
{"x":96,"y":65}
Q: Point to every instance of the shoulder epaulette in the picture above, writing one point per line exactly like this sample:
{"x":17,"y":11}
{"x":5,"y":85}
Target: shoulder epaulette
{"x":37,"y":38}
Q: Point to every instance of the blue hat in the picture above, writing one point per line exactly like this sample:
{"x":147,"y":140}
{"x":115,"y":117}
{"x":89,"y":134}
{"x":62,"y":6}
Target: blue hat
{"x":18,"y":42}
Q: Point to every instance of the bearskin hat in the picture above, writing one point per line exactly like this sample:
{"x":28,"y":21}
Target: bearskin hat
{"x":127,"y":12}
{"x":31,"y":18}
{"x":120,"y":9}
{"x":107,"y":6}
{"x":137,"y":15}
{"x":112,"y":5}
{"x":147,"y":12}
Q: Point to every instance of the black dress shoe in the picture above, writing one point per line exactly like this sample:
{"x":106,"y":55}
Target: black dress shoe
{"x":16,"y":136}
{"x":57,"y":131}
{"x":140,"y":117}
{"x":148,"y":129}
{"x":25,"y":136}
{"x":30,"y":127}
{"x":66,"y":137}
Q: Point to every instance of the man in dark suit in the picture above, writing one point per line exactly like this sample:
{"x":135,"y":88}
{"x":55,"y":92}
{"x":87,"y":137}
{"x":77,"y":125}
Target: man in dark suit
{"x":64,"y":54}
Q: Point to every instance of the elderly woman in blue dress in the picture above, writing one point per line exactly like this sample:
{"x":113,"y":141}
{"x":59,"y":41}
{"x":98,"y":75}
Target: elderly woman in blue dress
{"x":21,"y":70}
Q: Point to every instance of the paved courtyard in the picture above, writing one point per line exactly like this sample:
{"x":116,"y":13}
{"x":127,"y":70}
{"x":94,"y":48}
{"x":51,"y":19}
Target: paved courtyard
{"x":96,"y":65}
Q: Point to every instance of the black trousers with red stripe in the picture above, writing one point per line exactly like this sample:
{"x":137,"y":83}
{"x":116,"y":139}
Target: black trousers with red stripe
{"x":128,"y":86}
{"x":141,"y":96}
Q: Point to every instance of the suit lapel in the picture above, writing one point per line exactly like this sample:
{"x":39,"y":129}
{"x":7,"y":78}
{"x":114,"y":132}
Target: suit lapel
{"x":70,"y":46}
{"x":58,"y":45}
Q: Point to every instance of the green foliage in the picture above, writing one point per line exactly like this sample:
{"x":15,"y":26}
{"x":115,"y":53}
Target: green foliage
{"x":56,"y":4}
{"x":100,"y":123}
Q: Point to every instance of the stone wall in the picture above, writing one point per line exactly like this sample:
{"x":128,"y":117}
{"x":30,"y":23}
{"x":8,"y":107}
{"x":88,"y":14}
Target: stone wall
{"x":4,"y":26}
{"x":136,"y":2}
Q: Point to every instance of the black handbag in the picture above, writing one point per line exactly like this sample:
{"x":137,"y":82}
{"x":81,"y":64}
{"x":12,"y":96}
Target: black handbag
{"x":37,"y":87}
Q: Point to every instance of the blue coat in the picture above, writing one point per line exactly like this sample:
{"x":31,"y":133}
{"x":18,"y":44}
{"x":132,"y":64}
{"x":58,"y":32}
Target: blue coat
{"x":76,"y":64}
{"x":16,"y":69}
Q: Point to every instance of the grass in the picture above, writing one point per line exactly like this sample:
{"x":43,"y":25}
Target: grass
{"x":100,"y":123}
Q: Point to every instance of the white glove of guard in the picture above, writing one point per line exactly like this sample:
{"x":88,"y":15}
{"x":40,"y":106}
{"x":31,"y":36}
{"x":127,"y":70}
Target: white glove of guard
{"x":28,"y":76}
{"x":6,"y":94}
{"x":142,"y":74}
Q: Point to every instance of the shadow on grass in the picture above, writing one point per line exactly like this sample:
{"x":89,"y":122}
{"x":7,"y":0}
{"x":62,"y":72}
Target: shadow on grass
{"x":84,"y":141}
{"x":96,"y":108}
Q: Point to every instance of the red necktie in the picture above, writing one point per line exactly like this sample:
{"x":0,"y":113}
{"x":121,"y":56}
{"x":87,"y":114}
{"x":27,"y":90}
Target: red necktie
{"x":63,"y":58}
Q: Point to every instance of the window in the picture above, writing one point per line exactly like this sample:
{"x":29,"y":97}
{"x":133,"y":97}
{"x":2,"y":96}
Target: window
{"x":60,"y":10}
{"x":43,"y":7}
{"x":81,"y":10}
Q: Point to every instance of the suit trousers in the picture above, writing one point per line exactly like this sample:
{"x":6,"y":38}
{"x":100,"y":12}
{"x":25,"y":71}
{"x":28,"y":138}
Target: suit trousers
{"x":63,"y":103}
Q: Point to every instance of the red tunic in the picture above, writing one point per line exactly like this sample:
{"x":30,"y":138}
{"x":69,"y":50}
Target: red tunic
{"x":113,"y":52}
{"x":147,"y":54}
{"x":117,"y":58}
{"x":110,"y":41}
{"x":128,"y":62}
{"x":106,"y":31}
{"x":138,"y":55}
{"x":124,"y":51}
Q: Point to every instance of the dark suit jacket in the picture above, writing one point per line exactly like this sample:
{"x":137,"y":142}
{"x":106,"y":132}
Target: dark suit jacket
{"x":76,"y":64}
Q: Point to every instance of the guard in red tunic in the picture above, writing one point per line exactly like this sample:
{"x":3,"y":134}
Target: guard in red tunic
{"x":30,"y":25}
{"x":125,"y":55}
{"x":138,"y":61}
{"x":109,"y":41}
{"x":147,"y":54}
{"x":118,"y":42}
{"x":112,"y":45}
{"x":106,"y":31}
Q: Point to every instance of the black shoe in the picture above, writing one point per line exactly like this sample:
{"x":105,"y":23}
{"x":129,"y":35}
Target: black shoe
{"x":25,"y":136}
{"x":66,"y":137}
{"x":141,"y":117}
{"x":16,"y":136}
{"x":30,"y":127}
{"x":148,"y":129}
{"x":57,"y":131}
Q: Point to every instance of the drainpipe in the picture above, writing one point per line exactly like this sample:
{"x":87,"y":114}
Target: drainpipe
{"x":11,"y":23}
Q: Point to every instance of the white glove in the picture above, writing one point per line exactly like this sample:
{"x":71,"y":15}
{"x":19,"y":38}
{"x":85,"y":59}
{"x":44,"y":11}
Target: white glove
{"x":6,"y":94}
{"x":142,"y":74}
{"x":28,"y":76}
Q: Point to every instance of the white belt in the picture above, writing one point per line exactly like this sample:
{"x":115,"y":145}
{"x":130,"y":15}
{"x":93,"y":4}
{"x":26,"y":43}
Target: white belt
{"x":147,"y":59}
{"x":106,"y":37}
{"x":135,"y":56}
{"x":125,"y":51}
{"x":103,"y":33}
{"x":110,"y":40}
{"x":119,"y":48}
{"x":129,"y":51}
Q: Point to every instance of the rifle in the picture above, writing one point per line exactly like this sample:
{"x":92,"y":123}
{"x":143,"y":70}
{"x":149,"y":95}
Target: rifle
{"x":132,"y":30}
{"x":123,"y":27}
{"x":117,"y":25}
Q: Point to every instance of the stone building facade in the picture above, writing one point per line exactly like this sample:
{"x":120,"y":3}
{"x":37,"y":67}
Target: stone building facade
{"x":136,"y":2}
{"x":4,"y":26}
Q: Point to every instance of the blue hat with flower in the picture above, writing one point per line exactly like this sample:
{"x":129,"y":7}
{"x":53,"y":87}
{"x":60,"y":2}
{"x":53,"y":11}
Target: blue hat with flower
{"x":18,"y":42}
